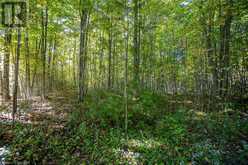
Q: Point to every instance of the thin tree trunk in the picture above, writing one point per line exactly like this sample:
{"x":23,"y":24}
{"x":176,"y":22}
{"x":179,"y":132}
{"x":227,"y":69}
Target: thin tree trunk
{"x":15,"y":92}
{"x":110,"y":56}
{"x":37,"y":52}
{"x":44,"y":50}
{"x":126,"y":71}
{"x":27,"y":65}
{"x":1,"y":85}
{"x":54,"y":66}
{"x":101,"y":53}
{"x":225,"y":36}
{"x":82,"y":54}
{"x":6,"y":65}
{"x":114,"y":75}
{"x":75,"y":63}
{"x":136,"y":45}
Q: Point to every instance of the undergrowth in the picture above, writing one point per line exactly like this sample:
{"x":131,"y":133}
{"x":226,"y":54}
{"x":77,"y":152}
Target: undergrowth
{"x":157,"y":134}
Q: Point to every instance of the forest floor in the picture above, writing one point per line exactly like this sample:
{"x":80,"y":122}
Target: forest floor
{"x":35,"y":111}
{"x":161,"y":130}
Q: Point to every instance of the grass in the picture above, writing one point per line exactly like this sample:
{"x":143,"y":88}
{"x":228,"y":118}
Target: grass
{"x":157,"y":134}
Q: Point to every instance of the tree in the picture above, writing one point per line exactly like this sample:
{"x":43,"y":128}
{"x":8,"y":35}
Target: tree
{"x":224,"y":54}
{"x":44,"y":25}
{"x":7,"y":45}
{"x":15,"y":91}
{"x":84,"y":23}
{"x":136,"y":44}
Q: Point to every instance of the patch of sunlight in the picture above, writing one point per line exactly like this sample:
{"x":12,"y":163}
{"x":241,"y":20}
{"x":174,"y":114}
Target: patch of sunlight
{"x":131,"y":155}
{"x":227,"y":110}
{"x":148,"y":143}
{"x":128,"y":156}
{"x":3,"y":152}
{"x":207,"y":151}
{"x":45,"y":104}
{"x":188,"y":102}
{"x":199,"y":115}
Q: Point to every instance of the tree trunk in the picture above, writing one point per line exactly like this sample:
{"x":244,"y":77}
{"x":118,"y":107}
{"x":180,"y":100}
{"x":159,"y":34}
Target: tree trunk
{"x":1,"y":84}
{"x":136,"y":46}
{"x":27,"y":66}
{"x":114,"y":74}
{"x":6,"y":67}
{"x":126,"y":70}
{"x":101,"y":53}
{"x":15,"y":92}
{"x":54,"y":64}
{"x":44,"y":50}
{"x":74,"y":64}
{"x":110,"y":56}
{"x":224,"y":54}
{"x":82,"y":54}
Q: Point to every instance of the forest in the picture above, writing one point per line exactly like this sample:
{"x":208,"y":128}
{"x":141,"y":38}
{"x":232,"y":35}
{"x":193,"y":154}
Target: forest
{"x":124,"y":82}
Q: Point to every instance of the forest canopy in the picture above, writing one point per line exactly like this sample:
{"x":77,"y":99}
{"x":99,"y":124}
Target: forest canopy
{"x":124,"y":81}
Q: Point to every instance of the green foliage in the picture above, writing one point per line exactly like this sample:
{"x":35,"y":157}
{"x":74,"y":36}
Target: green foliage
{"x":173,"y":127}
{"x":35,"y":144}
{"x":179,"y":47}
{"x":146,"y":108}
{"x":156,"y":134}
{"x":107,"y":108}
